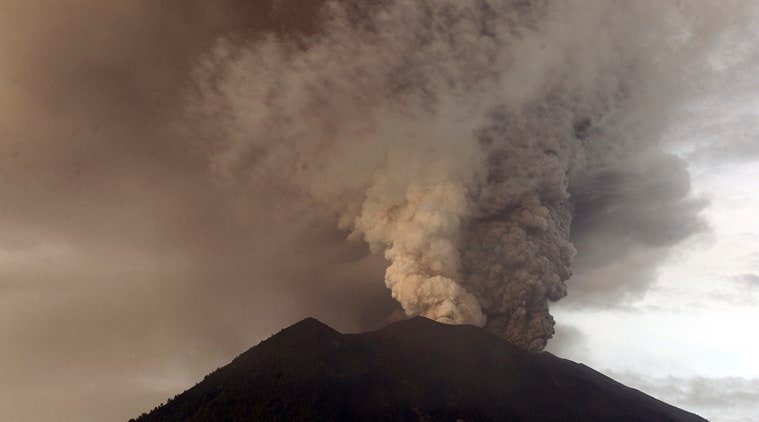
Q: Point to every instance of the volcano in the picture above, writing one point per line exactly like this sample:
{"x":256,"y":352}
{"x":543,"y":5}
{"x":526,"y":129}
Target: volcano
{"x":413,"y":370}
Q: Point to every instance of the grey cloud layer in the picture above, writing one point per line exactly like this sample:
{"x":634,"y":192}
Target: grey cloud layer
{"x":729,"y":399}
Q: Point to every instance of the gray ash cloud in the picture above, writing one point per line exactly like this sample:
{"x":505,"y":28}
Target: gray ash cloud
{"x":462,"y":139}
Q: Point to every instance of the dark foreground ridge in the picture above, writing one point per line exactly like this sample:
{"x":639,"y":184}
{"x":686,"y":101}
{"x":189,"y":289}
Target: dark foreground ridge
{"x":414,"y":370}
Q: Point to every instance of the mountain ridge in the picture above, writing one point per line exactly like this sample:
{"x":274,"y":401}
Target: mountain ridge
{"x":416,"y":369}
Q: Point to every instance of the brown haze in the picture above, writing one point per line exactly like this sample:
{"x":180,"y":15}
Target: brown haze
{"x":122,"y":263}
{"x":128,"y":270}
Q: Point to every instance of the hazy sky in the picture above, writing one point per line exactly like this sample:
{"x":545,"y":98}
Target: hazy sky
{"x":692,"y":339}
{"x":129,"y":268}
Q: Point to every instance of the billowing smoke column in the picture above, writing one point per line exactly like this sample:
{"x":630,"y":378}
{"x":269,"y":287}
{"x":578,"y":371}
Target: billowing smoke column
{"x":451,"y":135}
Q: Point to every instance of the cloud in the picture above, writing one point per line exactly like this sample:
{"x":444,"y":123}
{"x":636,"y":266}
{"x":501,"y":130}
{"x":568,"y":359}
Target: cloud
{"x":473,"y":162}
{"x":719,"y":398}
{"x":626,"y":226}
{"x":749,"y":280}
{"x":569,"y":342}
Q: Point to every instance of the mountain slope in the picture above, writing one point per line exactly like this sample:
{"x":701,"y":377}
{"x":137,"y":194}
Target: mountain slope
{"x":416,"y":369}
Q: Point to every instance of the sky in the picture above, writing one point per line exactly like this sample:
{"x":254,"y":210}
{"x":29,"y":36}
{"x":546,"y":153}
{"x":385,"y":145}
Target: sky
{"x":141,"y":246}
{"x":699,"y":316}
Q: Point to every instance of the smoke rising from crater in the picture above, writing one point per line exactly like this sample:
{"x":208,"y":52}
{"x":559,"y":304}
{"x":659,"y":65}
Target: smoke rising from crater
{"x":461,"y":138}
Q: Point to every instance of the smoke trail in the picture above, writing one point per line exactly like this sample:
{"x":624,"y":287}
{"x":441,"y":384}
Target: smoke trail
{"x":454,"y":136}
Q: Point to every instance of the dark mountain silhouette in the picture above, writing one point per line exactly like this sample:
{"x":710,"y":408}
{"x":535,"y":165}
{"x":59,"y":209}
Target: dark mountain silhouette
{"x":413,"y":370}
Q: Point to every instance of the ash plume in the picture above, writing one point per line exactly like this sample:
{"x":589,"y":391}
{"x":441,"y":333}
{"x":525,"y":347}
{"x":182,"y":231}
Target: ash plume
{"x":461,"y":138}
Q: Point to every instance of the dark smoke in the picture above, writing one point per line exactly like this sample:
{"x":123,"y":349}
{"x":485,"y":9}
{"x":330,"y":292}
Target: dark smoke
{"x":460,"y":139}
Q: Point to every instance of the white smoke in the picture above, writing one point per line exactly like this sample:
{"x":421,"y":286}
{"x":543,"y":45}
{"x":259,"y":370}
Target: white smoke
{"x":453,"y":136}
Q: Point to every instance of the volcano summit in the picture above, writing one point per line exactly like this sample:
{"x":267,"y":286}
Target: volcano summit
{"x":411,"y":370}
